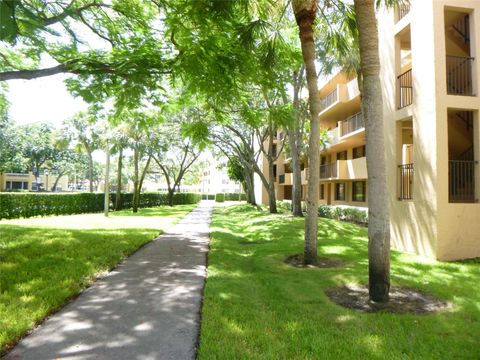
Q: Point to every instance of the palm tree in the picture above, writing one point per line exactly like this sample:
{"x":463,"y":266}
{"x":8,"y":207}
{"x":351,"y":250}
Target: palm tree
{"x":305,"y":13}
{"x":372,"y":107}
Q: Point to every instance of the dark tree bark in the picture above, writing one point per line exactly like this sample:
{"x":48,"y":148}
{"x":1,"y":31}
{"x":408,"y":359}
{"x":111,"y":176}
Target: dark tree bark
{"x":372,"y":108}
{"x":305,"y":13}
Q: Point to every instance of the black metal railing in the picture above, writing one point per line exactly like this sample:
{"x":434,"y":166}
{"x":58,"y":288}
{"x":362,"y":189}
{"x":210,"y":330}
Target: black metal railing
{"x":353,"y":123}
{"x":461,"y":180}
{"x":459,"y":75}
{"x":329,"y":99}
{"x":403,"y":9}
{"x":328,"y":171}
{"x":281,"y":179}
{"x":405,"y":190}
{"x":405,"y":89}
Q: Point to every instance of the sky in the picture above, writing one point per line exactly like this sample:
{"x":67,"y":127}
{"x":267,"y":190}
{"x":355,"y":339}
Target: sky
{"x":42,"y":100}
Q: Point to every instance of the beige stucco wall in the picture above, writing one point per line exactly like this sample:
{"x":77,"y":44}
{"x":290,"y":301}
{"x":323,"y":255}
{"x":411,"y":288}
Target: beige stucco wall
{"x":458,"y":224}
{"x":428,"y":224}
{"x":413,"y":223}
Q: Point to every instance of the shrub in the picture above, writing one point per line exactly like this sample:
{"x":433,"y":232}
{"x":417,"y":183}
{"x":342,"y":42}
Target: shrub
{"x":325,"y":211}
{"x":235,"y":197}
{"x":220,"y":197}
{"x":284,"y":206}
{"x":354,"y":215}
{"x":15,"y":205}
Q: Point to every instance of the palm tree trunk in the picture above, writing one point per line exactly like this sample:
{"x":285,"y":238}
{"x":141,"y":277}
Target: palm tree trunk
{"x":118,"y":195}
{"x":305,"y":12}
{"x":372,"y":107}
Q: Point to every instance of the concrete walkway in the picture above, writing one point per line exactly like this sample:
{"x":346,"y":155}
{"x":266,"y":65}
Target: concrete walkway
{"x":147,"y":308}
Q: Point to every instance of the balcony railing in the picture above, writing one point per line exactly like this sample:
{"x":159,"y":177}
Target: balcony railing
{"x":461,"y":179}
{"x":405,"y":89}
{"x":459,"y":75}
{"x":351,"y":124}
{"x":329,"y":99}
{"x":281,"y":179}
{"x":405,"y":190}
{"x":403,"y":9}
{"x":328,"y":171}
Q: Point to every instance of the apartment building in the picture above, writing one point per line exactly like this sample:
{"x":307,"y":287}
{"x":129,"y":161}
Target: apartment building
{"x":430,"y":79}
{"x":27,"y":182}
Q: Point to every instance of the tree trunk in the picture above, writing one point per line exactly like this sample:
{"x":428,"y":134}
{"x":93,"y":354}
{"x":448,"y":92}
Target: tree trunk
{"x":297,"y":175}
{"x":106,"y":208}
{"x":140,"y":182}
{"x":272,"y":200}
{"x":136,"y":190}
{"x":90,"y":170}
{"x":372,"y":107}
{"x":305,"y":12}
{"x":249,"y":186}
{"x":171,"y":192}
{"x":57,"y":180}
{"x":118,"y":195}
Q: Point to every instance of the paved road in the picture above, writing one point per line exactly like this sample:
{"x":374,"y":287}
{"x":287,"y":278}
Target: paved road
{"x":147,"y":308}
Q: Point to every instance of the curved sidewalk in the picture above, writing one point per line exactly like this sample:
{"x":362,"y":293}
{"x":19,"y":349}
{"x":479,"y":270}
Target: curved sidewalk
{"x":147,"y":308}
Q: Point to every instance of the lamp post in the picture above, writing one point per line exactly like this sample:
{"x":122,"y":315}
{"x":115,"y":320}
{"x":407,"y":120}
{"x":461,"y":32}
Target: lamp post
{"x":46,"y":172}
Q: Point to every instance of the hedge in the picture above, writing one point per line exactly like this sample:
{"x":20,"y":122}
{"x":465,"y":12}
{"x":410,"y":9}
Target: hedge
{"x":235,"y":197}
{"x":208,"y":196}
{"x":220,"y":197}
{"x":354,"y":215}
{"x":15,"y":205}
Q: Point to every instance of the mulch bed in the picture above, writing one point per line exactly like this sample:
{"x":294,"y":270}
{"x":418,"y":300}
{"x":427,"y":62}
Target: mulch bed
{"x":322,"y":262}
{"x":402,"y":300}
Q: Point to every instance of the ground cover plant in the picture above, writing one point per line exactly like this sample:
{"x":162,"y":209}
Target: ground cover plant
{"x":46,"y":261}
{"x":258,"y":307}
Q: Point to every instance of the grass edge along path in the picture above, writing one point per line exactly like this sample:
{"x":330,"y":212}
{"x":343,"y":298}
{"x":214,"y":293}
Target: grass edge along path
{"x":257,"y":307}
{"x":42,"y":268}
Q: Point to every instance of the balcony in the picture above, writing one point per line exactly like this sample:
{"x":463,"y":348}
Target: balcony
{"x":329,"y":171}
{"x":403,"y":9}
{"x":405,"y":184}
{"x":461,"y":179}
{"x":351,"y":124}
{"x":329,"y":99}
{"x":459,"y":75}
{"x":405,"y":89}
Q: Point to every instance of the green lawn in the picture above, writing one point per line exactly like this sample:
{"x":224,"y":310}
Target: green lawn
{"x":257,"y":307}
{"x":46,"y":261}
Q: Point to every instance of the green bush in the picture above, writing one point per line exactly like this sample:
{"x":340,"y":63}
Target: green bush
{"x":284,"y":206}
{"x":354,"y":215}
{"x":235,"y":197}
{"x":208,"y":196}
{"x":16,"y":205}
{"x":220,"y":197}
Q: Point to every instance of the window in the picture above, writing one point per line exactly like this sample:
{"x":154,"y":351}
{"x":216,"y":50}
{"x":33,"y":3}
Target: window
{"x":359,"y":191}
{"x":322,"y":192}
{"x":342,"y":155}
{"x":274,"y":171}
{"x":359,"y":152}
{"x":340,"y":191}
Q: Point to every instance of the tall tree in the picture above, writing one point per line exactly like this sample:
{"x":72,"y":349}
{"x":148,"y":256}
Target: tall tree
{"x":372,"y":107}
{"x":173,"y":153}
{"x":85,"y":130}
{"x":305,"y":13}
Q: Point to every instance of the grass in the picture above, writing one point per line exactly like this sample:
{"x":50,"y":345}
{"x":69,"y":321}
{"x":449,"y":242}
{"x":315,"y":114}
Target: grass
{"x":257,"y":307}
{"x":46,"y":261}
